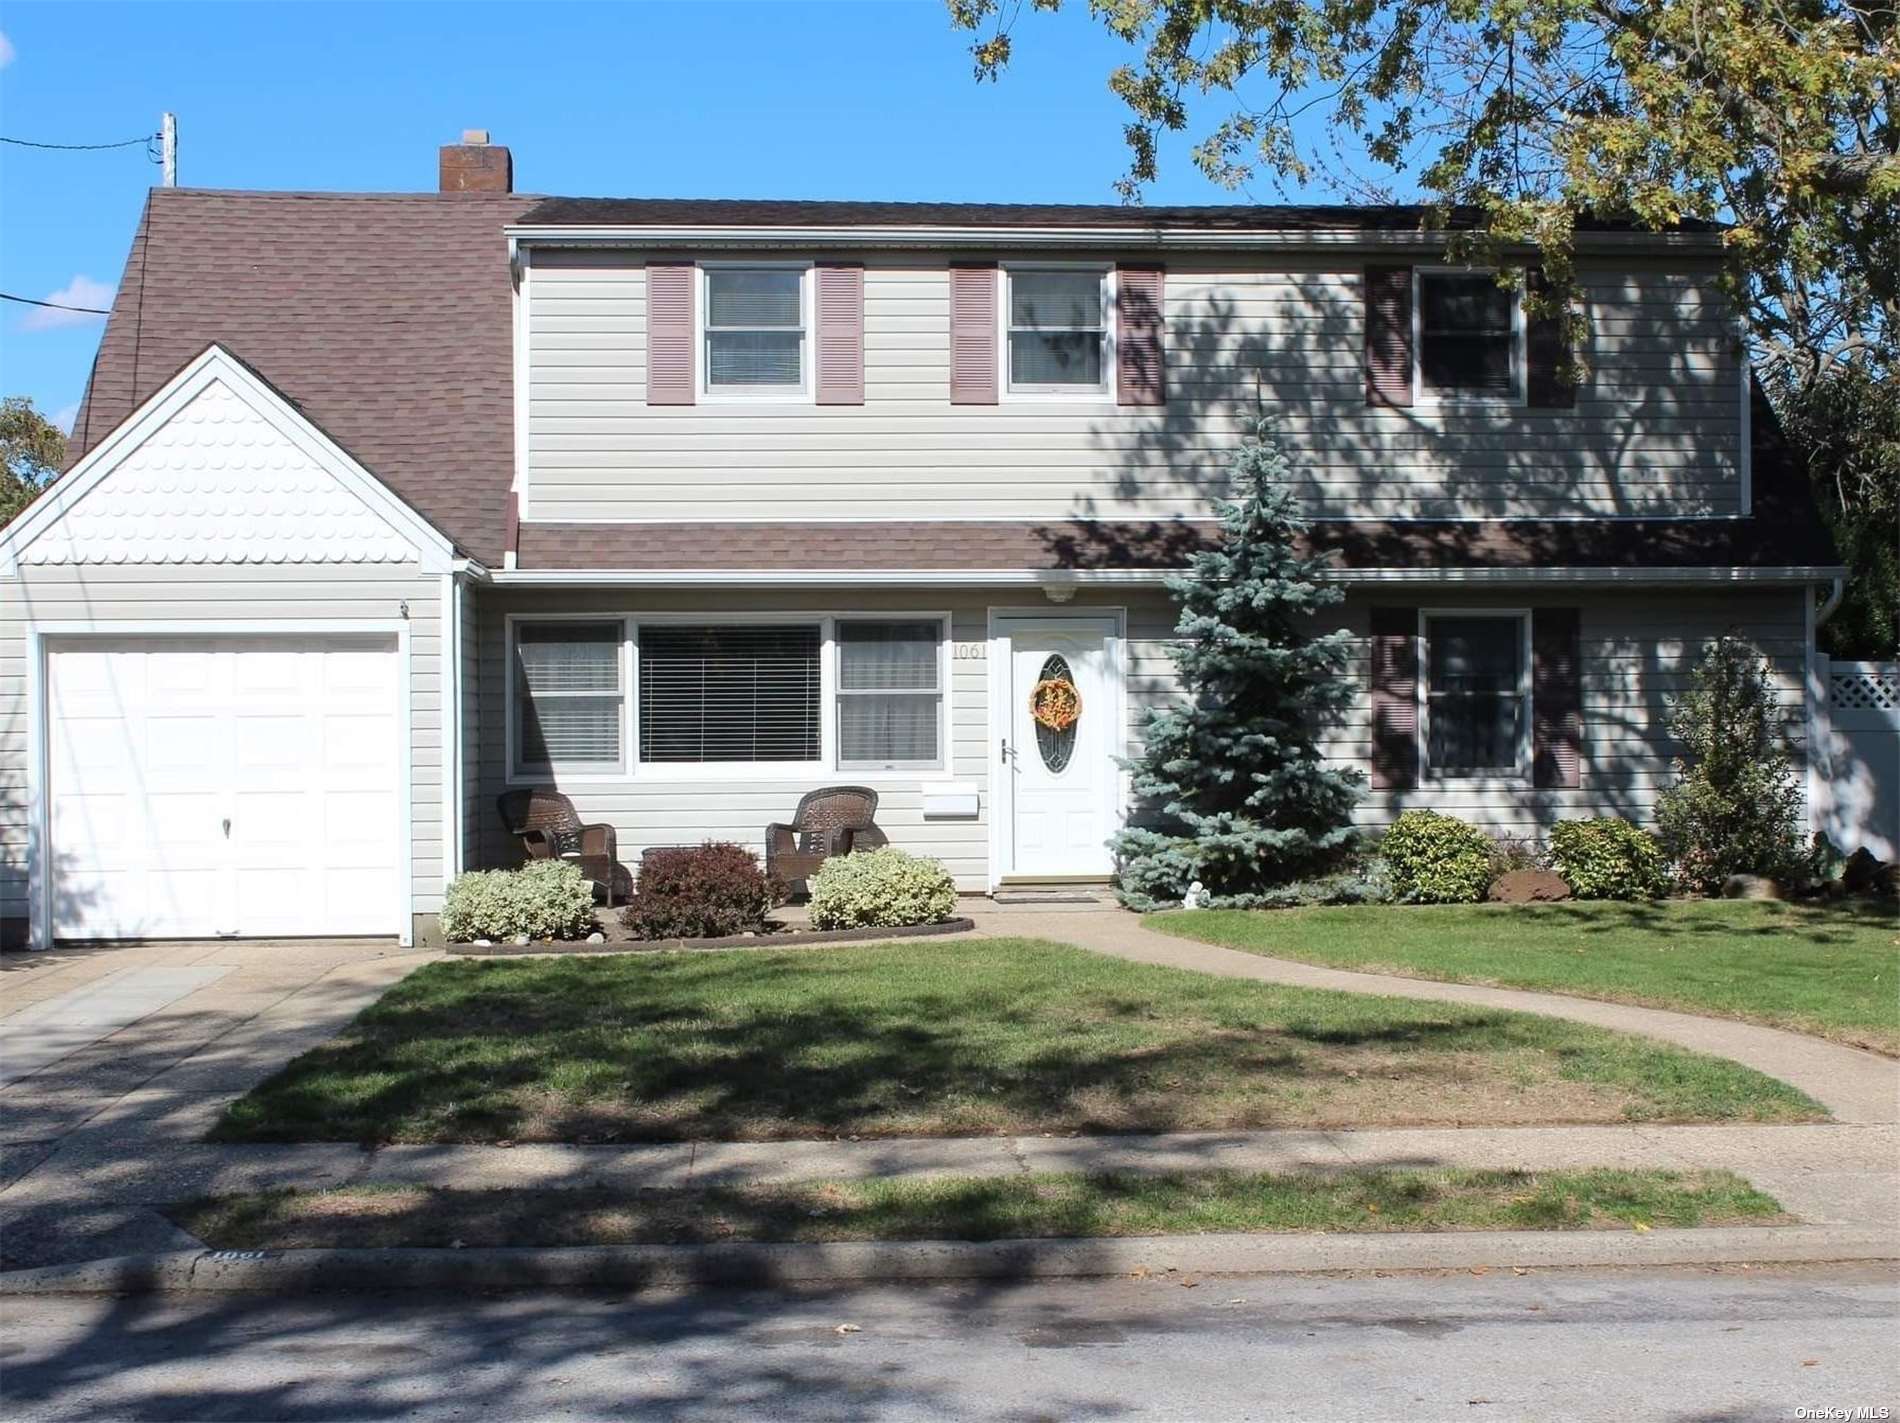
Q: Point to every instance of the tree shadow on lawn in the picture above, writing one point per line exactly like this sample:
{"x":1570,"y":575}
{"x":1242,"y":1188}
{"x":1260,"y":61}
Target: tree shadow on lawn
{"x":623,"y":1059}
{"x":1826,"y":924}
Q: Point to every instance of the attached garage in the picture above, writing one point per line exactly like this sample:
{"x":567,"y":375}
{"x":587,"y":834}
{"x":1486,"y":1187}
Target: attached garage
{"x":251,"y":786}
{"x":225,"y":656}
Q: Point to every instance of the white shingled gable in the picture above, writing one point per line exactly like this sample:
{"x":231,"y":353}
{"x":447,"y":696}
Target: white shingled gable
{"x":217,"y":468}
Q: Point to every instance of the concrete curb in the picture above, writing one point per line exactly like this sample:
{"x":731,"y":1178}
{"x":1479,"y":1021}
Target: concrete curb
{"x":637,"y":1267}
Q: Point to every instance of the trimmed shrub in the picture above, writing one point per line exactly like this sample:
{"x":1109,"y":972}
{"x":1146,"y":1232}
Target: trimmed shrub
{"x":883,"y":888}
{"x":710,"y":891}
{"x":1608,"y":859}
{"x":544,"y":899}
{"x":1437,"y":859}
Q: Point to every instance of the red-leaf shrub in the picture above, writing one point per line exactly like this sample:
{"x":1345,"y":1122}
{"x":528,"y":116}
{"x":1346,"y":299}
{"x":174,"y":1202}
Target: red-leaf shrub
{"x":705,"y":892}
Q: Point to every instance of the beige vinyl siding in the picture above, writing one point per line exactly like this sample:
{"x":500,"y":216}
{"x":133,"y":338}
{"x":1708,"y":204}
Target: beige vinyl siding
{"x":473,"y":802}
{"x":1656,"y":428}
{"x":176,"y":597}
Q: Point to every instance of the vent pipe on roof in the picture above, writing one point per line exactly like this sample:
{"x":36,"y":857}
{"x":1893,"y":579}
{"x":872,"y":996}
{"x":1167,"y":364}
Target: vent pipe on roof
{"x":476,"y":166}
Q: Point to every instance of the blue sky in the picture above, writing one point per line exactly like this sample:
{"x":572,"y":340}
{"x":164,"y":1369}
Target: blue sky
{"x":872,"y":99}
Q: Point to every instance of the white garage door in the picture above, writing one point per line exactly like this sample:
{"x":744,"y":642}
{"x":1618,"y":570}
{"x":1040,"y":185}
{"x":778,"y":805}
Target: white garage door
{"x":224,"y":786}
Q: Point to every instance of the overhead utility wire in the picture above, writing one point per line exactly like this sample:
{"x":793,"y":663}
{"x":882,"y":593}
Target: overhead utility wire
{"x":56,"y":305}
{"x":80,"y":147}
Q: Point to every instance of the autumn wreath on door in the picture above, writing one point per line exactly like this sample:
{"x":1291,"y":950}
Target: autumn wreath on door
{"x":1055,"y":703}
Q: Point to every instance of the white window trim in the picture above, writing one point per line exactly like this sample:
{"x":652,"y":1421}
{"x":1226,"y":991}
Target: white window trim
{"x":1006,"y":387}
{"x":633,"y":769}
{"x":804,"y":393}
{"x":522,"y":773}
{"x":1520,"y":384}
{"x":1514,"y":779}
{"x":942,"y":693}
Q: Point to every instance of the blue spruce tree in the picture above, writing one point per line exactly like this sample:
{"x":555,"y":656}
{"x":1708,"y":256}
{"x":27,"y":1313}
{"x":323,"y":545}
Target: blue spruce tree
{"x":1245,"y":800}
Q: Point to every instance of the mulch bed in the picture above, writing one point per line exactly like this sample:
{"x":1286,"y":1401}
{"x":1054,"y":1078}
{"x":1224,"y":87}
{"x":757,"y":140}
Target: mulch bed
{"x":784,"y":939}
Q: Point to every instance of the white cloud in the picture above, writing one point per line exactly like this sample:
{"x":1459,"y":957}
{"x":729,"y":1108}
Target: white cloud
{"x":6,"y":50}
{"x":65,"y":415}
{"x":80,"y":291}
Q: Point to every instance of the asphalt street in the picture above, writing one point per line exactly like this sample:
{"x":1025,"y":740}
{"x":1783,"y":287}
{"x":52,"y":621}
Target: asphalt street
{"x":1679,"y":1345}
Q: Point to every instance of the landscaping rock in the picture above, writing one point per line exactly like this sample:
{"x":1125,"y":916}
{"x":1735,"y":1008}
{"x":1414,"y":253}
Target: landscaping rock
{"x":596,"y":937}
{"x":1860,"y":871}
{"x":519,"y":939}
{"x":1751,"y":887}
{"x":1528,"y":887}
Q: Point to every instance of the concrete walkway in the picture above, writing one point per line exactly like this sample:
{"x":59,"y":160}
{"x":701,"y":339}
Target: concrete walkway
{"x":1855,"y":1086}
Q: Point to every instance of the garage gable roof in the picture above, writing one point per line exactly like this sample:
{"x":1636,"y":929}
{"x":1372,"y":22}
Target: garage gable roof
{"x":217,"y":467}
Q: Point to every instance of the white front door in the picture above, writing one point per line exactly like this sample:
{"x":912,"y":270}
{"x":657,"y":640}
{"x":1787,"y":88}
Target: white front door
{"x":224,"y":786}
{"x":1058,"y":784}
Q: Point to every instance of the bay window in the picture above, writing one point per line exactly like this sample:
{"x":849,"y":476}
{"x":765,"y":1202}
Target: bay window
{"x":1477,"y":694}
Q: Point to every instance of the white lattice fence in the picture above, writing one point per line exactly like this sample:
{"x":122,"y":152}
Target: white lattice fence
{"x":1858,"y":790}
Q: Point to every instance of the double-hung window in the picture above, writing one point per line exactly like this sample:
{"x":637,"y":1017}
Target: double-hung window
{"x":1058,"y":329}
{"x":731,"y":693}
{"x":568,"y":695}
{"x":1468,"y":346}
{"x":755,"y":329}
{"x":890,"y":694}
{"x":1477,"y":695}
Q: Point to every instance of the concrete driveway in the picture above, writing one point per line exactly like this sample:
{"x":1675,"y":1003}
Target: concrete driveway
{"x":122,"y":1054}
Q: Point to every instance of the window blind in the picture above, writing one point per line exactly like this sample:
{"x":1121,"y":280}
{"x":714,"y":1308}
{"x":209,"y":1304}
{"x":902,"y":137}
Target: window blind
{"x":568,"y":693}
{"x":754,"y":327}
{"x":1055,"y":328}
{"x":730,"y":694}
{"x":889,"y":693}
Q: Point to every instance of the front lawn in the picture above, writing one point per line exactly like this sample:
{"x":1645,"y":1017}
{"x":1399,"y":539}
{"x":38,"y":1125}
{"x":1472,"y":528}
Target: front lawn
{"x":1832,"y":970}
{"x":979,"y":1208}
{"x":970,"y":1037}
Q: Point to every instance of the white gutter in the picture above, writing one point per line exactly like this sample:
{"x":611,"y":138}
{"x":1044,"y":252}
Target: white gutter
{"x":1112,"y":577}
{"x":1132,"y":235}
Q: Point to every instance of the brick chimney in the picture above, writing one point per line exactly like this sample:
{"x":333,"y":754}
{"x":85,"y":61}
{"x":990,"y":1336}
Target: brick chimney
{"x":476,"y":166}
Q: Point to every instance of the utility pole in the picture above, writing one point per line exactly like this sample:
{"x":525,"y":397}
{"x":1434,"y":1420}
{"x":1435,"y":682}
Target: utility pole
{"x":168,"y":147}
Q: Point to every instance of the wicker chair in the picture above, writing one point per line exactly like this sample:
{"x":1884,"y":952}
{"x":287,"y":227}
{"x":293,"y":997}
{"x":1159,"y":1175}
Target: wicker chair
{"x":832,"y":821}
{"x":549,"y":829}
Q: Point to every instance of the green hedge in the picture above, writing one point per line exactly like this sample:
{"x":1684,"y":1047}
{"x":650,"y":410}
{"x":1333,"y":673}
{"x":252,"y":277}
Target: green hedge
{"x":881,"y":888}
{"x":1608,"y":859}
{"x":544,"y":899}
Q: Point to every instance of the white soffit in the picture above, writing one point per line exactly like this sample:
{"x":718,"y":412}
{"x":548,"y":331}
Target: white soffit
{"x":216,"y":468}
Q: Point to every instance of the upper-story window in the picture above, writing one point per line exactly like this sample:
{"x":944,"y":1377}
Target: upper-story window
{"x":1058,"y":327}
{"x":1468,"y":337}
{"x":755,"y":330}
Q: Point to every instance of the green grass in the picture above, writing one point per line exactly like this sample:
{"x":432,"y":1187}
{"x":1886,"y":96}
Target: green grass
{"x":956,"y":1038}
{"x":1831,"y":970}
{"x":980,"y":1208}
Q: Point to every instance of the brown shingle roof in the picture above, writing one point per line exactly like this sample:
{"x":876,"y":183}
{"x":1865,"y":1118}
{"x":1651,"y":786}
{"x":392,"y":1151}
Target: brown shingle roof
{"x":1221,"y":217}
{"x":384,"y":318}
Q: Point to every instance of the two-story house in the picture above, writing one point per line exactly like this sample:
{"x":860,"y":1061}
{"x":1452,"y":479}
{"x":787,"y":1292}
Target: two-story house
{"x":384,"y":504}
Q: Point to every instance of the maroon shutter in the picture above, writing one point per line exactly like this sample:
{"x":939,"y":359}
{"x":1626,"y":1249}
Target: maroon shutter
{"x":1546,"y":347}
{"x":973,"y":333}
{"x":1388,"y":335}
{"x":1556,"y":698}
{"x":670,"y":379}
{"x":1394,"y":698}
{"x":840,"y":333}
{"x":1140,"y":326}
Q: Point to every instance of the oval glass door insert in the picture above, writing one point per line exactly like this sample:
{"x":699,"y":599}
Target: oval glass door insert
{"x":1056,"y":745}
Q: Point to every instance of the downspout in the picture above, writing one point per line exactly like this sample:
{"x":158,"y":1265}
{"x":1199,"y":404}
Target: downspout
{"x":1820,"y":722}
{"x":1830,"y":603}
